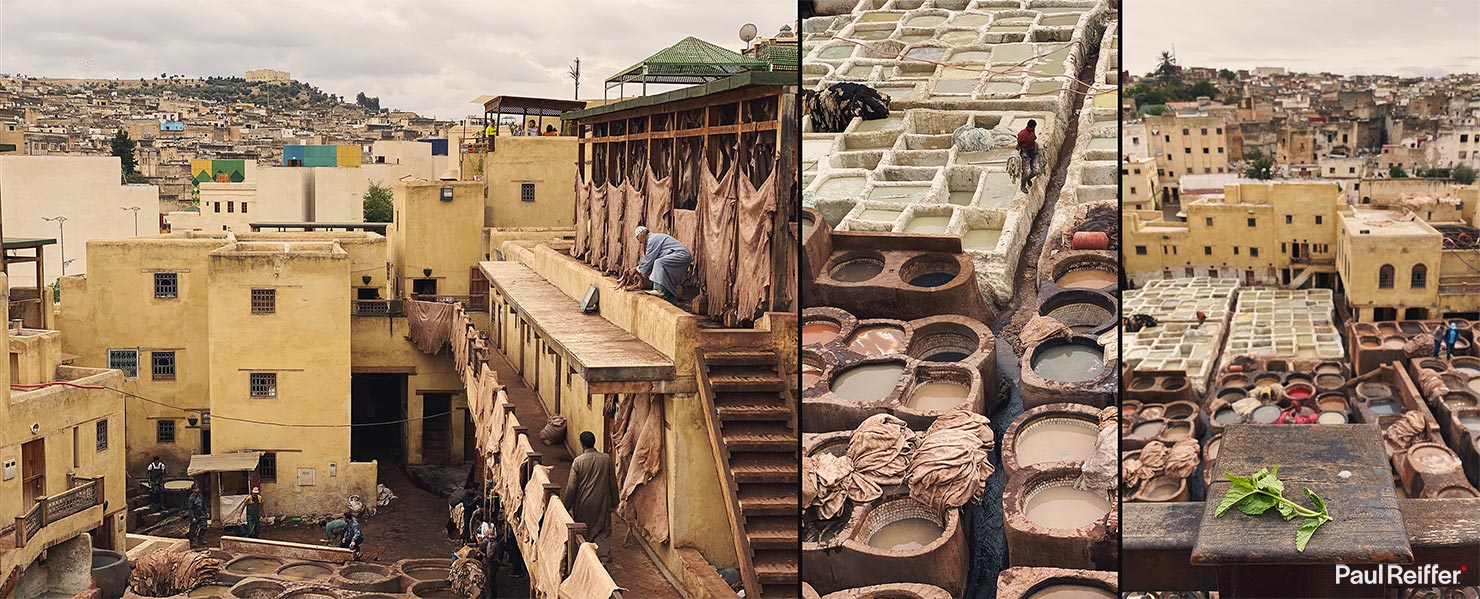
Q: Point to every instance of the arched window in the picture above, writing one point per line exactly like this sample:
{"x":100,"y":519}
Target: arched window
{"x":1385,"y":277}
{"x":1420,"y":278}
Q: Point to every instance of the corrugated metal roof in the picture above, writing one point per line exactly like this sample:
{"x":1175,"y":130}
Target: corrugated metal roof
{"x":223,"y":462}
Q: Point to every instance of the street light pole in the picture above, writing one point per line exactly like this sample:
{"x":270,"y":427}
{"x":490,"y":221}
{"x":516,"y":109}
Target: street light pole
{"x":135,"y":209}
{"x":61,"y":222}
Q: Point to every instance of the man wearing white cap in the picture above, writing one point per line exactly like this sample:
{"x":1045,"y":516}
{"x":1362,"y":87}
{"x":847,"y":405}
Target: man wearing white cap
{"x":254,"y":514}
{"x":665,"y":262}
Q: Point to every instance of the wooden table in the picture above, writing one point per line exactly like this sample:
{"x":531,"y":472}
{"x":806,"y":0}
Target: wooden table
{"x":1255,"y":555}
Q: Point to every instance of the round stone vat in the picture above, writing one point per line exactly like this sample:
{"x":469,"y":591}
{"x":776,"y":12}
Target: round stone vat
{"x":1427,"y":467}
{"x":359,"y":576}
{"x":855,"y":267}
{"x":1210,"y":459}
{"x":1327,"y":381}
{"x":877,"y":338}
{"x":248,"y":566}
{"x":1073,"y":369}
{"x":305,"y":571}
{"x":433,"y":589}
{"x":945,"y":342}
{"x":1300,"y":390}
{"x":1333,"y":402}
{"x":110,"y":570}
{"x":1087,"y":276}
{"x":930,"y":270}
{"x":1235,"y":379}
{"x":852,"y":392}
{"x":893,"y":590}
{"x":936,"y":389}
{"x":423,"y":569}
{"x":868,"y":382}
{"x":1056,"y":583}
{"x":1162,"y":488}
{"x":258,"y":588}
{"x":1060,"y":432}
{"x":1050,"y":523}
{"x":1375,"y":391}
{"x":210,"y":590}
{"x":1142,"y":431}
{"x":1151,"y":410}
{"x":312,"y":592}
{"x":1087,"y":270}
{"x":1221,"y":414}
{"x":813,"y":367}
{"x":897,"y":538}
{"x":1083,"y":311}
{"x":1467,"y":365}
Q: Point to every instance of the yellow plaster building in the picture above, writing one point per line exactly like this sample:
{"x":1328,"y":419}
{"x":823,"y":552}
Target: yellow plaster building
{"x":1186,"y":145}
{"x":1138,"y":184}
{"x":62,"y":450}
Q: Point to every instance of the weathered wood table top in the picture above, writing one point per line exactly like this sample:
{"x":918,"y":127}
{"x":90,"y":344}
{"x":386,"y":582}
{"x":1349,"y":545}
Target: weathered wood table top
{"x":1367,"y":525}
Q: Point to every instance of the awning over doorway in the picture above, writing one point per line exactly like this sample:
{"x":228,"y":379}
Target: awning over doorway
{"x":223,"y":462}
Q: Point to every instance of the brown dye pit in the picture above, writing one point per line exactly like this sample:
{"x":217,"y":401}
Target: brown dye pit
{"x":810,"y":375}
{"x":817,"y":333}
{"x":1177,"y":431}
{"x":365,"y":576}
{"x":1266,"y":380}
{"x":1432,"y":460}
{"x":1449,"y":492}
{"x":1153,"y":411}
{"x":427,"y":573}
{"x":856,"y":271}
{"x":906,"y":535}
{"x":1086,"y":278}
{"x":1375,"y":390}
{"x":877,"y":341}
{"x":1369,"y":341}
{"x":1055,"y":440}
{"x":312,"y":594}
{"x":937,"y":396}
{"x":258,"y":590}
{"x":1458,"y":401}
{"x":304,"y":572}
{"x":1061,"y":506}
{"x":1069,"y":363}
{"x":1332,"y":404}
{"x":1330,"y":381}
{"x":210,"y":591}
{"x":1474,"y":385}
{"x":439,"y":594}
{"x":1071,"y":591}
{"x":1471,"y":422}
{"x":1469,"y":370}
{"x":256,"y":566}
{"x":1147,"y":430}
{"x":870,"y":382}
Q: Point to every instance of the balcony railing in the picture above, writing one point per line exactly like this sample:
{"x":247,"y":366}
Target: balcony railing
{"x":85,"y":493}
{"x":471,"y":303}
{"x":377,"y":307}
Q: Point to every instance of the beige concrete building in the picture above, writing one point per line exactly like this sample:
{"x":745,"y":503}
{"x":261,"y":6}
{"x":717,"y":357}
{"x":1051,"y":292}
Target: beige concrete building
{"x":1388,"y":265}
{"x":269,"y":75}
{"x":85,"y":190}
{"x":1278,"y":233}
{"x":529,"y":182}
{"x":1138,"y":184}
{"x":1185,"y":145}
{"x":62,"y":450}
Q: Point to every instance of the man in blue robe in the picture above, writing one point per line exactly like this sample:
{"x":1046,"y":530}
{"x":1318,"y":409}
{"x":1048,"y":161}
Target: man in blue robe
{"x":665,"y":262}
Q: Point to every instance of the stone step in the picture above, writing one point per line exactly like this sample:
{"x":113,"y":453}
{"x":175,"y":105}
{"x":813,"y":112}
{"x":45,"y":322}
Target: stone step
{"x":749,"y":436}
{"x":772,"y":532}
{"x":764,"y":467}
{"x":760,"y":499}
{"x":740,"y":358}
{"x":743,"y":383}
{"x":751,"y":406}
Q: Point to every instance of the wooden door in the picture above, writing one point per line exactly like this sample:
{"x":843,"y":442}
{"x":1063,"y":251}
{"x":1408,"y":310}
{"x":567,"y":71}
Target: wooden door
{"x":33,"y":470}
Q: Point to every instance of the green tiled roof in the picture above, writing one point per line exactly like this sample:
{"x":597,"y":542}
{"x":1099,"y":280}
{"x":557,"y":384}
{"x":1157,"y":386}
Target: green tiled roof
{"x":691,"y":60}
{"x":781,"y":55}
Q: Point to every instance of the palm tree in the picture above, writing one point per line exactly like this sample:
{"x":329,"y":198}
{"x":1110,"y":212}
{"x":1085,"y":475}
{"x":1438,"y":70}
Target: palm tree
{"x":1166,"y":66}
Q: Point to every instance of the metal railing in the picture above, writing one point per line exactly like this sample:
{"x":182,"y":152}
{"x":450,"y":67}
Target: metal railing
{"x":84,"y":493}
{"x":378,"y":307}
{"x":471,"y":303}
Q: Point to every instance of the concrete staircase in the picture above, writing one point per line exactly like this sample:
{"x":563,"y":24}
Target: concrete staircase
{"x":752,"y":422}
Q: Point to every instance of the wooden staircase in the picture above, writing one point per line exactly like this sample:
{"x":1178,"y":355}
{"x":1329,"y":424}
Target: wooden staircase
{"x":752,"y":428}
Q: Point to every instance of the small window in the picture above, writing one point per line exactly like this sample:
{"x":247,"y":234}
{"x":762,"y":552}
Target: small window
{"x":526,"y":192}
{"x":1235,"y":250}
{"x":1208,"y":220}
{"x":1188,"y":271}
{"x":1135,"y":140}
{"x":126,"y":360}
{"x":1207,"y":250}
{"x":163,"y":365}
{"x":267,"y":467}
{"x":1140,"y":250}
{"x":264,"y":301}
{"x":1186,"y":150}
{"x":1289,"y":219}
{"x":164,"y":431}
{"x":1251,"y":222}
{"x":1168,"y":138}
{"x":231,"y":207}
{"x":166,"y":285}
{"x":1220,"y":151}
{"x":1318,"y":219}
{"x":103,"y":434}
{"x":264,"y":384}
{"x":1205,"y":150}
{"x":1220,"y":131}
{"x":447,"y":194}
{"x":1205,"y":131}
{"x":244,"y":207}
{"x":1385,"y":277}
{"x":217,"y":205}
{"x":1420,"y":277}
{"x":1253,"y":251}
{"x":1186,"y":131}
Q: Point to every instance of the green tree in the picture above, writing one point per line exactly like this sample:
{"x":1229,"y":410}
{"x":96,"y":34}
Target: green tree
{"x":1463,"y":173}
{"x":378,"y":207}
{"x":1166,"y":66}
{"x":1153,"y":109}
{"x":1261,"y":167}
{"x":1227,"y":75}
{"x":1397,"y":172}
{"x":123,"y":147}
{"x":1202,"y":88}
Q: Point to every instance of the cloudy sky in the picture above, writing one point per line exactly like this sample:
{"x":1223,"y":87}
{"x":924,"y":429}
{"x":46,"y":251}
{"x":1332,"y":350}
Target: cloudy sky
{"x":430,"y":56}
{"x":1395,"y":37}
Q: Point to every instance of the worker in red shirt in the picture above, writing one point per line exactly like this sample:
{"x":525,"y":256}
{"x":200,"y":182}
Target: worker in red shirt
{"x":1027,"y":146}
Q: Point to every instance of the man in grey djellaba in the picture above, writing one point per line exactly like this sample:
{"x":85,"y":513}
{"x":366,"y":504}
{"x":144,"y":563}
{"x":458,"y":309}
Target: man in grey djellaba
{"x":665,"y":262}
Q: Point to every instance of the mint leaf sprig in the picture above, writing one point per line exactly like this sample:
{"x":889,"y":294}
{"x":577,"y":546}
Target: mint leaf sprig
{"x":1254,"y":495}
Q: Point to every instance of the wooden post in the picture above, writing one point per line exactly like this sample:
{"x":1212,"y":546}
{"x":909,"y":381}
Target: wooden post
{"x":786,"y":166}
{"x":20,"y":531}
{"x":575,"y":534}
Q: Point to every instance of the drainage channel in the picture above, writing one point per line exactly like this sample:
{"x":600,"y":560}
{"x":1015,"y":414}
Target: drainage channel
{"x":989,"y":555}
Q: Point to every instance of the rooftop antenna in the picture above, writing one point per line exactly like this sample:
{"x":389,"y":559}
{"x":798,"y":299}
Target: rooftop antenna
{"x":747,"y":33}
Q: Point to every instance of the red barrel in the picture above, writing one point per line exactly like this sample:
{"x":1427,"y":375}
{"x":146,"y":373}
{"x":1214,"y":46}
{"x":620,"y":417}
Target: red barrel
{"x":1090,"y":240}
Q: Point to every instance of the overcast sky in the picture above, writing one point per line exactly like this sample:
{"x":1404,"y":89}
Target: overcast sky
{"x":1392,"y":37}
{"x":430,"y":56}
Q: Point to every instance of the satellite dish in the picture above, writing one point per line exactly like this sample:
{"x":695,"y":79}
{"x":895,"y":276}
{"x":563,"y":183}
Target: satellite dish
{"x":747,"y":33}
